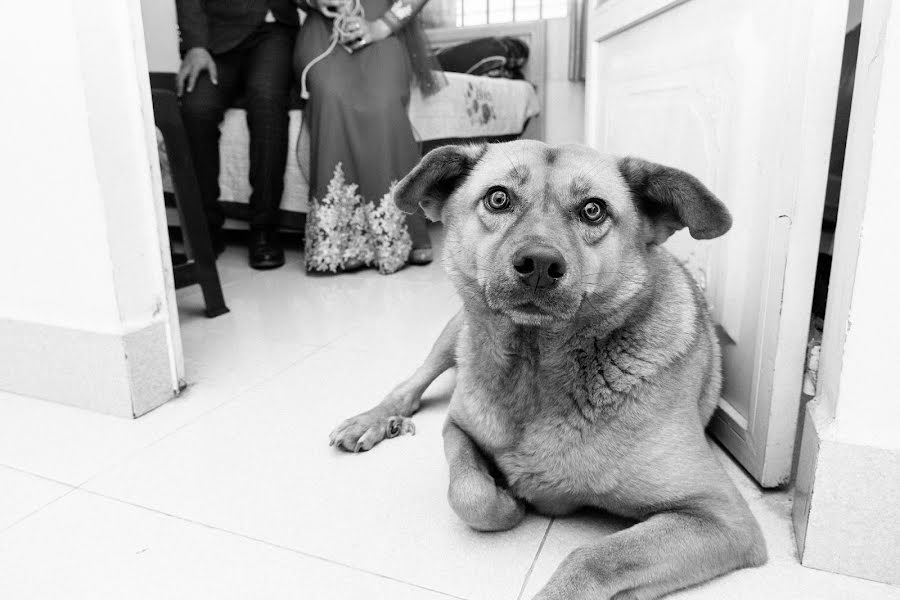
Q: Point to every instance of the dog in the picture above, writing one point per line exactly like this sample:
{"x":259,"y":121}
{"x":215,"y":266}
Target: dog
{"x":587,"y":363}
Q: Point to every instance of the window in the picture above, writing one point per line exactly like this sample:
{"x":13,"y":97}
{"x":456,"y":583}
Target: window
{"x":463,"y":13}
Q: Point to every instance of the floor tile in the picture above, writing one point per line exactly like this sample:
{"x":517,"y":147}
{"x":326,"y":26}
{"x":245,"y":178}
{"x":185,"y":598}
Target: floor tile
{"x":782,"y":578}
{"x":232,"y":267}
{"x":291,"y":307}
{"x":261,"y":466}
{"x":419,"y":274}
{"x":70,"y":444}
{"x":251,"y":501}
{"x":236,"y":362}
{"x":23,"y":494}
{"x":86,"y":546}
{"x":408,"y":322}
{"x":288,"y":305}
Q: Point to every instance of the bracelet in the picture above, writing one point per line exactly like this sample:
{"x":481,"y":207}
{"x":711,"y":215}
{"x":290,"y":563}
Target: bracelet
{"x":396,"y":15}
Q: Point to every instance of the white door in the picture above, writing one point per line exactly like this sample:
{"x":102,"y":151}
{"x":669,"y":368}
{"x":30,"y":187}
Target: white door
{"x":742,"y":94}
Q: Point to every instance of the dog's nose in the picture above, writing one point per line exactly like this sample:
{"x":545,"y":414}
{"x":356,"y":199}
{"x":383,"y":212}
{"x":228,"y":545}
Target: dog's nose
{"x":539,"y":266}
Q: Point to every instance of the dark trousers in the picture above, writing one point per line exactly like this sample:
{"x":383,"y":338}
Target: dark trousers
{"x":258,"y":70}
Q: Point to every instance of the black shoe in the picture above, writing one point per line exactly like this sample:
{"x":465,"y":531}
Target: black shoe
{"x":265,"y":250}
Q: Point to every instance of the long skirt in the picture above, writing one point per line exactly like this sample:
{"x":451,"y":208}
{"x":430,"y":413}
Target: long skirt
{"x":361,"y":143}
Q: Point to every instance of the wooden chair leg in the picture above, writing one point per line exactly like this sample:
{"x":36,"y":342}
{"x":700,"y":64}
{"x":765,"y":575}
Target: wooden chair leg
{"x":202,"y":267}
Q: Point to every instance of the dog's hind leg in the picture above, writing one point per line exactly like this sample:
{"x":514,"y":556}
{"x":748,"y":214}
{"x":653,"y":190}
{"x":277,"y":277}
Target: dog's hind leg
{"x":667,"y":552}
{"x":390,"y":417}
{"x":473,"y":493}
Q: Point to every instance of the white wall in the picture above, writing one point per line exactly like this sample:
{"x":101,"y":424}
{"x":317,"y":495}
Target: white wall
{"x":564,"y":113}
{"x":87,"y":313}
{"x":854,"y":14}
{"x":53,"y":236}
{"x":161,"y":32}
{"x":115,"y":123}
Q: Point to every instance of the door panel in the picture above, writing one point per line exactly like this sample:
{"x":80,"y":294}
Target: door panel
{"x":741,"y":94}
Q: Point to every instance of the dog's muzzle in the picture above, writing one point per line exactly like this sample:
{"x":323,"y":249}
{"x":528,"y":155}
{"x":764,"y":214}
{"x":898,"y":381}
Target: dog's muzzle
{"x":539,"y":266}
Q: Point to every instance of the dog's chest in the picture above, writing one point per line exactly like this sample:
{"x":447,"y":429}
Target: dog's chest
{"x":544,"y":420}
{"x":498,"y":401}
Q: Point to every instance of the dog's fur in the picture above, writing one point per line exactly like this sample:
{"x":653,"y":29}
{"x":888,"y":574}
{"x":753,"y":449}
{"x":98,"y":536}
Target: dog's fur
{"x":593,"y":391}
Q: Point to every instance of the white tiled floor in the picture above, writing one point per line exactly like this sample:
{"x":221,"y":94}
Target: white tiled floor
{"x":231,"y":491}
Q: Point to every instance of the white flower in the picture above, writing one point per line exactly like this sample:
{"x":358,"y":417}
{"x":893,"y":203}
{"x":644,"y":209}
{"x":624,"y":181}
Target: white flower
{"x":388,"y":227}
{"x":342,"y":228}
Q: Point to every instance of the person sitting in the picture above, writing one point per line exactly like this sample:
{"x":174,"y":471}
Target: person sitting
{"x":234,"y":50}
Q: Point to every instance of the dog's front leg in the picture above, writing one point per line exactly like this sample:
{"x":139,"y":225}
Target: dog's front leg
{"x":667,"y":552}
{"x":390,"y":417}
{"x":473,"y":493}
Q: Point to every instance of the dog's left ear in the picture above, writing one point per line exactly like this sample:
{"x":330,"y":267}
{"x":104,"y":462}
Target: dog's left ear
{"x":435,"y":179}
{"x":673,"y":199}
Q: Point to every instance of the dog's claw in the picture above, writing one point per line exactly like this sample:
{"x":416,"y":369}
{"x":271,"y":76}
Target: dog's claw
{"x":365,"y":431}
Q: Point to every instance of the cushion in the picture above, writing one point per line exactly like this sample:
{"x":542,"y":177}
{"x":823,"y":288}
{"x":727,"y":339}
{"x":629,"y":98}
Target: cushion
{"x":489,"y":57}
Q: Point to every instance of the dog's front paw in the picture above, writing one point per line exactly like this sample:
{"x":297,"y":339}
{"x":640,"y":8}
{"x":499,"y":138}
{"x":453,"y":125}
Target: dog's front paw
{"x":362,"y":432}
{"x":476,"y":499}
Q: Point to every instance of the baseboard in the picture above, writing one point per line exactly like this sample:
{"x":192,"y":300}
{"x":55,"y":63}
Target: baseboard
{"x":846,"y":514}
{"x":119,"y":374}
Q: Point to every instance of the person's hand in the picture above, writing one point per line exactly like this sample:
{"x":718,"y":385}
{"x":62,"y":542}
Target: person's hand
{"x":195,"y":62}
{"x":361,"y":33}
{"x":329,"y":8}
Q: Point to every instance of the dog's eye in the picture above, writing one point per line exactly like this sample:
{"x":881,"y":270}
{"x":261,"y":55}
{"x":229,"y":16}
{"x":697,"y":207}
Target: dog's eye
{"x":497,"y":199}
{"x":594,"y":211}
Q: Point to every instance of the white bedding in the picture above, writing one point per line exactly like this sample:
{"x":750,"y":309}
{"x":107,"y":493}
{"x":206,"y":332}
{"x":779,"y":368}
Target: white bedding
{"x":472,"y":106}
{"x":468,"y":107}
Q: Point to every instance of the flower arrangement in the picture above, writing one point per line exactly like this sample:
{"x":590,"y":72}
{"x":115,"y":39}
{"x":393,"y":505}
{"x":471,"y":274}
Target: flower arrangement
{"x":391,"y":240}
{"x":343,"y":229}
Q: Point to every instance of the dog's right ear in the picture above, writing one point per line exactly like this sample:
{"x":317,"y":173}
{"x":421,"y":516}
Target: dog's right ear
{"x":435,"y":178}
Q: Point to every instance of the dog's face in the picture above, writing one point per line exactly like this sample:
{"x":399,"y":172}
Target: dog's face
{"x":546,"y":233}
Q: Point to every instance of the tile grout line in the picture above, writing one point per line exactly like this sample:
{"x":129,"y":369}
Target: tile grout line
{"x":534,"y":561}
{"x":270,"y":544}
{"x":39,"y":509}
{"x":72,"y":487}
{"x":38,"y":475}
{"x":230,"y":400}
{"x":240,"y":392}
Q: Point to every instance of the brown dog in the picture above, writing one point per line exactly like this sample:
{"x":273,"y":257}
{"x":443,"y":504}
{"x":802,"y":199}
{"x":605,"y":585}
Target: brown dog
{"x":587,"y":363}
